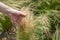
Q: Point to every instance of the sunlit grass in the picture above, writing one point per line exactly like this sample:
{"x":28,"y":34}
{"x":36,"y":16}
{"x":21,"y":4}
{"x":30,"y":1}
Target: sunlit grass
{"x":33,"y":26}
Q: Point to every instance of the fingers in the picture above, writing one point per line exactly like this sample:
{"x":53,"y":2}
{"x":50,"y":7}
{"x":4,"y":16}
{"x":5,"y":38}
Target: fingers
{"x":21,"y":14}
{"x":15,"y":18}
{"x":16,"y":12}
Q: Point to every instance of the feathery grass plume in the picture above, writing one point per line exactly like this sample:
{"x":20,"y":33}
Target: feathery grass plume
{"x":25,"y":28}
{"x":42,"y":27}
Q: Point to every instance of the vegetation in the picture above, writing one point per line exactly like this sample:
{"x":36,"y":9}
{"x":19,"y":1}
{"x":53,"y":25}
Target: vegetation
{"x":41,"y":23}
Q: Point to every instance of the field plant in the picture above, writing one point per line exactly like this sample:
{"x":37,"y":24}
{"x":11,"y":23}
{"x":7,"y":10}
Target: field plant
{"x":41,"y":23}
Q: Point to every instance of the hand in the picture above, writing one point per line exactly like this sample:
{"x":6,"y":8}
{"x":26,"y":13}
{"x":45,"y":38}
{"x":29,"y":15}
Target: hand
{"x":16,"y":17}
{"x":13,"y":14}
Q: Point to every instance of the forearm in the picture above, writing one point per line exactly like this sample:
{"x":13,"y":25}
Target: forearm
{"x":6,"y":9}
{"x":3,"y":8}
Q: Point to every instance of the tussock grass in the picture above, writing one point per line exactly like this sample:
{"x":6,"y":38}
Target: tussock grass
{"x":25,"y":28}
{"x":34,"y":27}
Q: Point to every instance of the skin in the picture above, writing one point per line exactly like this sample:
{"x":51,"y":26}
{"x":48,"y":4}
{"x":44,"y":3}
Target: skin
{"x":13,"y":14}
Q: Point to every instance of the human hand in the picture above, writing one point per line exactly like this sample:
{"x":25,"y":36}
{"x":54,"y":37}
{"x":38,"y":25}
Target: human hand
{"x":16,"y":17}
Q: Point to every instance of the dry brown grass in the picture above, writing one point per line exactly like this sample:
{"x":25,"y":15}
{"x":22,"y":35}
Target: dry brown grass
{"x":25,"y":28}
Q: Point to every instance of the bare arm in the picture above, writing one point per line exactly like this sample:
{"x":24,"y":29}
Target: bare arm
{"x":13,"y":14}
{"x":6,"y":9}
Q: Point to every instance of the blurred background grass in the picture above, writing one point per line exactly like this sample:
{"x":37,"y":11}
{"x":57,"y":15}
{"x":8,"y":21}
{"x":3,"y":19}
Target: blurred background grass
{"x":43,"y":17}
